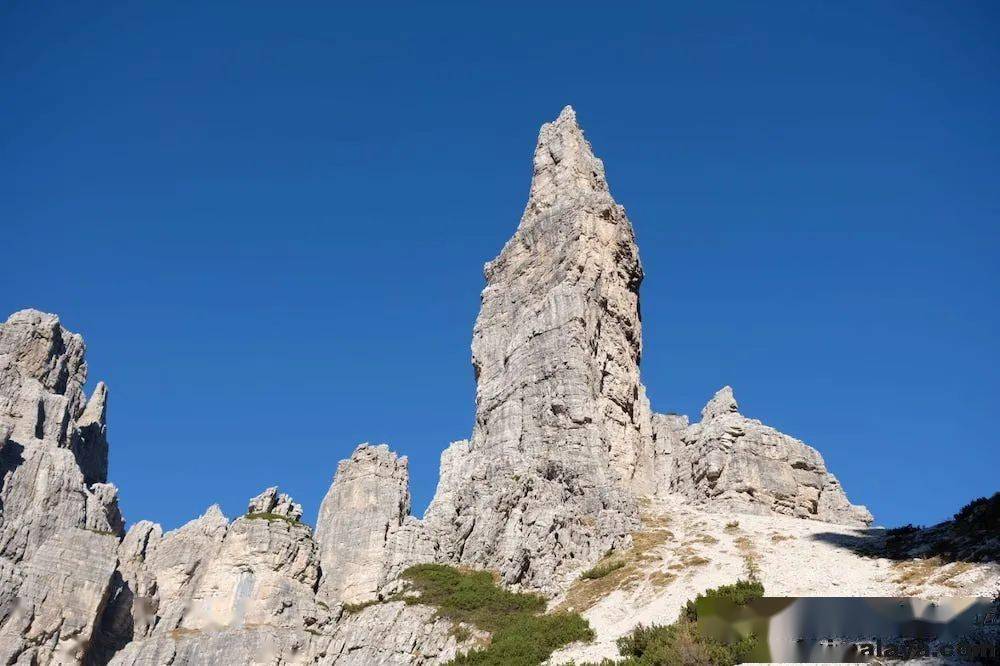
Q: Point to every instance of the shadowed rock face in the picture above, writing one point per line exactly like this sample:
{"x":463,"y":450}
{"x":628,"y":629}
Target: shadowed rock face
{"x":59,"y":518}
{"x":562,"y":424}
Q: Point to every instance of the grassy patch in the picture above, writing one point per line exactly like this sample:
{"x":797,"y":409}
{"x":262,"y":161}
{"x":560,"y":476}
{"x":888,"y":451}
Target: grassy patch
{"x":682,"y":642}
{"x":916,"y":573}
{"x":602,"y":569}
{"x":270,"y":517}
{"x":521,"y":634}
{"x":587,"y":591}
{"x":749,"y":555}
{"x":360,"y":606}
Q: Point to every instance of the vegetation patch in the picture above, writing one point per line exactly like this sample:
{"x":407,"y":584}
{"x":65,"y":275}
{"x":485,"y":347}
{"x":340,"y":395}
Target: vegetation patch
{"x":358,"y":607}
{"x":271,"y":517}
{"x":749,"y":555}
{"x":683,"y":643}
{"x":914,"y":574}
{"x":602,"y":569}
{"x":980,"y":515}
{"x":587,"y":591}
{"x":521,"y":633}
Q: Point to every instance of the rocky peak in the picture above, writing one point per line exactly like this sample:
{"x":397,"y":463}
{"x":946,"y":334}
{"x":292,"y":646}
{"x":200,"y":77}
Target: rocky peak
{"x":271,"y":502}
{"x":58,"y":519}
{"x":562,"y":424}
{"x":723,"y":402}
{"x":565,"y":167}
{"x":734,"y":463}
{"x":41,"y":349}
{"x":363,"y":523}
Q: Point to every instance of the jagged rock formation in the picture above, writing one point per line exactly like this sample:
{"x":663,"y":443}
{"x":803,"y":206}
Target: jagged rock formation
{"x":563,"y":448}
{"x":396,"y":633}
{"x":732,"y":462}
{"x":562,"y":424}
{"x":271,"y":503}
{"x":60,"y":520}
{"x":365,"y":532}
{"x":241,"y":582}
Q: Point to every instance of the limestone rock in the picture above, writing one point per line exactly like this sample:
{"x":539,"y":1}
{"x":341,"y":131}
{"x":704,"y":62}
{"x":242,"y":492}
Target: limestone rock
{"x":60,"y":519}
{"x":212,"y":586}
{"x":253,"y":645}
{"x":730,"y":461}
{"x":64,"y":584}
{"x":365,"y":532}
{"x":562,"y":427}
{"x":396,"y":633}
{"x":271,"y":502}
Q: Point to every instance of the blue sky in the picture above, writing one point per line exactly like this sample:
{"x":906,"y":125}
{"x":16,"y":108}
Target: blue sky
{"x":270,"y":223}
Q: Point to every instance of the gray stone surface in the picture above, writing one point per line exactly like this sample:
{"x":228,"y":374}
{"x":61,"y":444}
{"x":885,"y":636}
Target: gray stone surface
{"x":563,"y":445}
{"x":562,"y":427}
{"x":365,"y":532}
{"x":226,"y":582}
{"x":60,"y":519}
{"x":728,"y":461}
{"x":395,"y":633}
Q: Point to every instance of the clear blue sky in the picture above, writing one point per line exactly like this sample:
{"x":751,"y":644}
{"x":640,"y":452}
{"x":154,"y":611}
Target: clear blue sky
{"x":269,"y":223}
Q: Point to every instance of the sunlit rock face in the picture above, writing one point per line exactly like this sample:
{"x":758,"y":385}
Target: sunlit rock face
{"x":562,"y":428}
{"x":214,"y":587}
{"x":60,"y":519}
{"x":365,"y":532}
{"x":728,"y":461}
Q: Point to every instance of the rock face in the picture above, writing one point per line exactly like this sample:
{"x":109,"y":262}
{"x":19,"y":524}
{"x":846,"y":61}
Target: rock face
{"x":563,"y":447}
{"x":732,"y":462}
{"x":562,"y":424}
{"x":59,"y":519}
{"x":235,"y":584}
{"x":365,"y":532}
{"x":396,"y":633}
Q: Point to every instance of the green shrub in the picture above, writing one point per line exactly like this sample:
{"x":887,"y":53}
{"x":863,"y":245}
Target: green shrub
{"x":358,"y":607}
{"x":521,"y":633}
{"x":981,"y":514}
{"x":739,"y":593}
{"x":682,"y":643}
{"x":602,"y":570}
{"x":270,"y":517}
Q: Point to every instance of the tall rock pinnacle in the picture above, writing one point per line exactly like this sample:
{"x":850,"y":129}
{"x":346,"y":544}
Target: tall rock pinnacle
{"x":562,"y":422}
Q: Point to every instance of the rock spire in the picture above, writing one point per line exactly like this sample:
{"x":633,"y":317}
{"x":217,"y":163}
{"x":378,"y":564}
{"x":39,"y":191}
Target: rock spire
{"x":562,"y":424}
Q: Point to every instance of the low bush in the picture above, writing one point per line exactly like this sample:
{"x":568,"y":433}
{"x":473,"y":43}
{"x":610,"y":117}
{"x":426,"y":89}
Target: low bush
{"x":602,"y":569}
{"x":521,"y":634}
{"x":980,"y":515}
{"x":682,"y":642}
{"x":270,"y":517}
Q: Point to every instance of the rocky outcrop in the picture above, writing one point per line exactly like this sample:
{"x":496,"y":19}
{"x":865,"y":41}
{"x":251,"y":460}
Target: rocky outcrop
{"x":562,"y":426}
{"x":234,"y":584}
{"x":563,"y":446}
{"x":397,"y":633}
{"x":365,"y":532}
{"x":729,"y":461}
{"x":60,"y":519}
{"x":271,"y":503}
